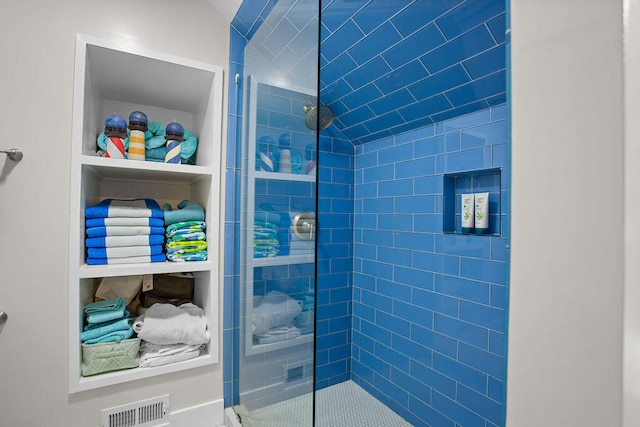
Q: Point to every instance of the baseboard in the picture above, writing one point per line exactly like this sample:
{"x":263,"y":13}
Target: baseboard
{"x":230,"y":418}
{"x":210,"y":414}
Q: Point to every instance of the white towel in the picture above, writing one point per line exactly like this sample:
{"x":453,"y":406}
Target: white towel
{"x":158,"y":355}
{"x":274,"y":310}
{"x":168,"y":324}
{"x":282,"y":333}
{"x":150,"y":362}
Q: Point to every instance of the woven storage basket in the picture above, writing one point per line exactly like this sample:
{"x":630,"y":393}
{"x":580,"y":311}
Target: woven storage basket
{"x":110,"y":356}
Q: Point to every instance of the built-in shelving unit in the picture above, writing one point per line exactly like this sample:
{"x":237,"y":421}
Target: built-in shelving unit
{"x":255,"y":181}
{"x":111,"y":79}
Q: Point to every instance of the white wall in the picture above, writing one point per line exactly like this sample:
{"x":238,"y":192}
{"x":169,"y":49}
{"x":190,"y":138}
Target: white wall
{"x":565,"y":327}
{"x":37,"y":41}
{"x":228,"y":8}
{"x":632,"y":219}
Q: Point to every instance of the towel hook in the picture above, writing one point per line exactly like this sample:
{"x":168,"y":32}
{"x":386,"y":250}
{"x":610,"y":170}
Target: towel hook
{"x":3,"y":317}
{"x":13,"y":154}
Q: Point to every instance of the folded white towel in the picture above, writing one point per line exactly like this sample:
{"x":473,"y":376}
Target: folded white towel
{"x":274,"y":310}
{"x":278,"y":334}
{"x":150,"y":362}
{"x":168,"y":324}
{"x":158,"y":355}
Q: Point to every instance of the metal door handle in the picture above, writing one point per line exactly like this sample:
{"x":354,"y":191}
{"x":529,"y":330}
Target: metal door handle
{"x":3,"y":317}
{"x":13,"y":154}
{"x":304,"y":225}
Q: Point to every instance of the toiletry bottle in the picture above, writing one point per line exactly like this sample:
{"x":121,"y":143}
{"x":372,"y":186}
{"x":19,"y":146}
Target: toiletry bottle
{"x":482,"y":213}
{"x":284,"y":161}
{"x":468,"y":219}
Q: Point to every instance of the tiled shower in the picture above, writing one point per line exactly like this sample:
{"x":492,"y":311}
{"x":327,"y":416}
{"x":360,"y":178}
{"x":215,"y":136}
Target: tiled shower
{"x":407,"y":306}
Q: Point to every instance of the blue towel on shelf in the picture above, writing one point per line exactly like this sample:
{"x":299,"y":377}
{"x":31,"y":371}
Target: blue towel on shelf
{"x":180,"y":237}
{"x":133,"y":208}
{"x":115,"y":326}
{"x":107,"y":316}
{"x":124,"y":230}
{"x":105,"y":305}
{"x":126,"y":260}
{"x":185,"y":227}
{"x":125,"y":241}
{"x":115,"y":336}
{"x":127,"y":251}
{"x":186,"y":211}
{"x":126,"y":222}
{"x":190,"y":256}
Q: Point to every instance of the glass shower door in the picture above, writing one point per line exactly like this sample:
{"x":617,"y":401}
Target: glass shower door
{"x":278,"y":219}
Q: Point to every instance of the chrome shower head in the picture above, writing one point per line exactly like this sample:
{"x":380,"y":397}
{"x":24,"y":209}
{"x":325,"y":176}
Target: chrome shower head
{"x":313,"y":119}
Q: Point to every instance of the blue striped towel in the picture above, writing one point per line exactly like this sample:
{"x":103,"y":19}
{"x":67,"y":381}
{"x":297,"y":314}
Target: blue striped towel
{"x":126,"y":260}
{"x":126,"y":251}
{"x":117,"y":230}
{"x":128,"y":222}
{"x":116,"y":208}
{"x":124,"y":241}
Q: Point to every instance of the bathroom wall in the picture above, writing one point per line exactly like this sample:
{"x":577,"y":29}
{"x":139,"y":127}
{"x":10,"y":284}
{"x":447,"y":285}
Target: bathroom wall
{"x":37,"y":84}
{"x":335,"y":261}
{"x":430,"y":308}
{"x":567,"y":269}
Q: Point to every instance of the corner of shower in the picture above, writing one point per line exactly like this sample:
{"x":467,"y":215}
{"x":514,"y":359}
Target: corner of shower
{"x":274,"y":348}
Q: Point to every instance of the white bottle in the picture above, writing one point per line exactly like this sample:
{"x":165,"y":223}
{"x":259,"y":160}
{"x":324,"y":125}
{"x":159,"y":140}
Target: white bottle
{"x":482,"y":213}
{"x":467,"y":213}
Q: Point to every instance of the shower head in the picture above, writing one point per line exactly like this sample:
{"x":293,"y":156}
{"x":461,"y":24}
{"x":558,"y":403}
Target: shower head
{"x":313,"y":119}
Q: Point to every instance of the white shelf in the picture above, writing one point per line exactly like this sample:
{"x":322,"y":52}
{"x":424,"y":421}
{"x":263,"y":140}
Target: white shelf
{"x":166,"y":88}
{"x":261,"y":348}
{"x":281,"y":260}
{"x":98,"y":271}
{"x":124,"y":169}
{"x":282,"y":176}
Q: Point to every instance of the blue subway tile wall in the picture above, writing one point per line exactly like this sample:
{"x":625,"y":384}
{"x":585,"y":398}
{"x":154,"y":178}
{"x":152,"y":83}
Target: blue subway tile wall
{"x":335,"y":261}
{"x":430,"y":308}
{"x":246,"y":22}
{"x":419,"y":322}
{"x":391,"y":67}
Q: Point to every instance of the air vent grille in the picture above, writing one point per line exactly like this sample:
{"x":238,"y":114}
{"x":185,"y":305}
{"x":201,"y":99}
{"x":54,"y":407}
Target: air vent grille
{"x":294,"y":374}
{"x":147,"y":413}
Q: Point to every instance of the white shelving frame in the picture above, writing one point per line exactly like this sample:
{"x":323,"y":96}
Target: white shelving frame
{"x":247,"y":261}
{"x":110,"y":79}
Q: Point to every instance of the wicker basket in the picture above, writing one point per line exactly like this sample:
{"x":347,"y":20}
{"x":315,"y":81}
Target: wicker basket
{"x":110,"y":356}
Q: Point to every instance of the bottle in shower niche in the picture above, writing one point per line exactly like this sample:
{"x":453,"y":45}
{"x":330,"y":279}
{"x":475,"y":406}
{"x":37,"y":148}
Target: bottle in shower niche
{"x":467,"y":213}
{"x":481,"y":213}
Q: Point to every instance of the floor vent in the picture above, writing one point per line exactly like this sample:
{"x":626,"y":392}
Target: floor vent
{"x":294,"y":374}
{"x":147,"y":413}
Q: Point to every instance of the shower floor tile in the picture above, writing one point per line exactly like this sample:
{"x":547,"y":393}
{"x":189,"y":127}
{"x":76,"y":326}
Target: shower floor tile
{"x":341,"y":405}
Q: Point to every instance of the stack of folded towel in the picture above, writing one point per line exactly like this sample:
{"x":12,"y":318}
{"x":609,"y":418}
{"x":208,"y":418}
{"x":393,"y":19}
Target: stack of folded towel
{"x":107,"y":321}
{"x":124,"y":231}
{"x":273,"y":317}
{"x":266,"y":227}
{"x":185,"y":232}
{"x":170,"y":334}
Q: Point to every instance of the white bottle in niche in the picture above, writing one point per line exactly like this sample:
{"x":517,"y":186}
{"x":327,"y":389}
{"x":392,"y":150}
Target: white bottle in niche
{"x":467,"y":213}
{"x":482,"y":213}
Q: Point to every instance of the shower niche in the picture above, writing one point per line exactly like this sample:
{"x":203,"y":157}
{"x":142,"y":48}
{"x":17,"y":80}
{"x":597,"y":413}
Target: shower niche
{"x":278,"y":216}
{"x":474,"y":181}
